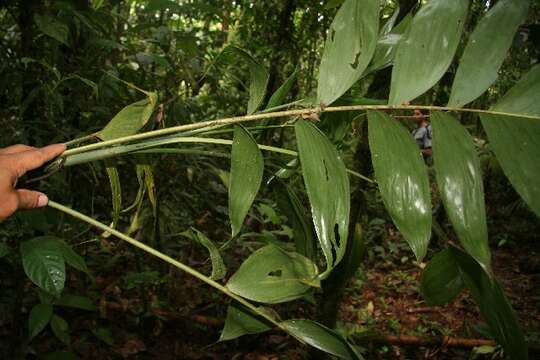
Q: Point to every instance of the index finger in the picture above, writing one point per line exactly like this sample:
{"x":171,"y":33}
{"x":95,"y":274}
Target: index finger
{"x":32,"y":159}
{"x":15,"y":149}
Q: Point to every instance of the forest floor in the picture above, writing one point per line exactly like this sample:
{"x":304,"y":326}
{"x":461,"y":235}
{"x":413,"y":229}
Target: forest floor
{"x":144,"y":315}
{"x":389,"y":302}
{"x":383,"y":300}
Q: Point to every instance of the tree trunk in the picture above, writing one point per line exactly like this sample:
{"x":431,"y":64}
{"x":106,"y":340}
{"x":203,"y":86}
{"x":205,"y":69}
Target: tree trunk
{"x":284,"y":32}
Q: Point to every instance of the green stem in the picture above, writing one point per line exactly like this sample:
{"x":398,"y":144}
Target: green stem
{"x":360,"y":176}
{"x":168,"y":260}
{"x":120,"y":150}
{"x":150,"y":147}
{"x":81,"y":139}
{"x":288,"y":113}
{"x":176,"y":151}
{"x":250,"y":129}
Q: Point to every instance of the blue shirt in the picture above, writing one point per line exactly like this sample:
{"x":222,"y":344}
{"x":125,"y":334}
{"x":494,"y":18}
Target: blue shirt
{"x":422,"y":136}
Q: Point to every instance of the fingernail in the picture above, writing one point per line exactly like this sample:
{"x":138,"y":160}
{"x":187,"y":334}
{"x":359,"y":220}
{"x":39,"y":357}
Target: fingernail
{"x":42,"y":200}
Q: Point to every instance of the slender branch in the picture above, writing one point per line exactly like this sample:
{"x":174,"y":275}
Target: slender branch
{"x":279,"y":114}
{"x":358,"y":175}
{"x":181,"y":128}
{"x":120,"y":150}
{"x":433,"y":341}
{"x":150,"y":147}
{"x":168,"y":260}
{"x":81,"y":139}
{"x":176,"y":151}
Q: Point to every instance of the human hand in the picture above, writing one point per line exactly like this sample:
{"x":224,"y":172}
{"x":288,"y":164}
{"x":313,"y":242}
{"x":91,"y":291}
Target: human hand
{"x":15,"y":161}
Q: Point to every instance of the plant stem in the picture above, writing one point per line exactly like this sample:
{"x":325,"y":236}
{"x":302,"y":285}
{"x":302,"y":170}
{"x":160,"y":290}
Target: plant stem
{"x":101,"y":154}
{"x":168,"y":260}
{"x":81,"y":139}
{"x":358,"y":175}
{"x":278,"y":114}
{"x":146,"y":147}
{"x":176,"y":151}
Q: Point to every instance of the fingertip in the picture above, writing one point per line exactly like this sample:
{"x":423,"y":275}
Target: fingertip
{"x":56,"y":148}
{"x":28,"y":199}
{"x":43,"y":200}
{"x":50,"y":152}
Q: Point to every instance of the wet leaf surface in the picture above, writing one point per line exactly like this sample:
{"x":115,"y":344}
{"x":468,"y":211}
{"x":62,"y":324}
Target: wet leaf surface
{"x":427,"y":48}
{"x":402,"y":178}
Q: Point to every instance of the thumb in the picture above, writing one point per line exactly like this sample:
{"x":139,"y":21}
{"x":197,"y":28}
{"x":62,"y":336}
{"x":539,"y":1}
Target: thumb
{"x":31,"y":199}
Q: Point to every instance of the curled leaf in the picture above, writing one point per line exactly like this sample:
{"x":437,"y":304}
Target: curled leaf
{"x":116,"y":191}
{"x":240,"y":321}
{"x":218,"y":266}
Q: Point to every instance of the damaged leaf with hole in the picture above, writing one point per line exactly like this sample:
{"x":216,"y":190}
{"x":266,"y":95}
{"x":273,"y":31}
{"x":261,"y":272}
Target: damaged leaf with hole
{"x":327,"y":186}
{"x":272,"y":275}
{"x":350,"y":45}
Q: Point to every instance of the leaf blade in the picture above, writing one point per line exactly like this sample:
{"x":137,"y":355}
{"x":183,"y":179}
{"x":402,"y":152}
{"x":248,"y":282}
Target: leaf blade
{"x":486,"y":50}
{"x":52,"y":27}
{"x":72,"y":258}
{"x":247,"y":168}
{"x":327,"y":185}
{"x":402,"y":178}
{"x":427,"y":49}
{"x":272,"y":275}
{"x":387,"y":45}
{"x":240,"y":321}
{"x":60,"y":328}
{"x":219,"y":270}
{"x":39,"y":317}
{"x":321,"y":338}
{"x":348,"y":49}
{"x":459,"y":177}
{"x":279,"y":96}
{"x":441,"y":279}
{"x":516,"y":141}
{"x":130,"y":119}
{"x":258,"y":73}
{"x":494,"y":306}
{"x":291,"y":206}
{"x":44,"y":264}
{"x":76,"y":302}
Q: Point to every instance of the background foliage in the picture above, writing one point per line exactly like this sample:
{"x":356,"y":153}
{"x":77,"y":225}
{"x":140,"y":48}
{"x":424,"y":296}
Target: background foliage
{"x":60,"y":68}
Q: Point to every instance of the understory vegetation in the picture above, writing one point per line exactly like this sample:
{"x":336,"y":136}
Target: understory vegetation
{"x":241,"y":181}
